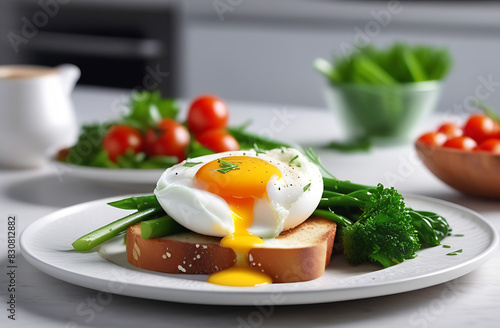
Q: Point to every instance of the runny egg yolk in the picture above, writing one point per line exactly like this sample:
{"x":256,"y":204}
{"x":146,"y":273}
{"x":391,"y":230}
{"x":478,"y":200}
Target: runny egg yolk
{"x":239,"y":180}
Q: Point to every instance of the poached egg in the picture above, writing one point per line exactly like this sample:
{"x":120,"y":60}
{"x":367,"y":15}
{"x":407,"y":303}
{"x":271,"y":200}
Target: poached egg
{"x":244,"y":197}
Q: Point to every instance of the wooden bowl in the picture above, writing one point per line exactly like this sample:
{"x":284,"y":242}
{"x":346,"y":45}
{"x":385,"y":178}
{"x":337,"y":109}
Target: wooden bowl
{"x":472,"y":172}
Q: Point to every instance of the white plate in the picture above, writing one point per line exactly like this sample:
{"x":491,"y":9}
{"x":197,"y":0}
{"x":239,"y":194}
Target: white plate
{"x":111,"y":176}
{"x":47,"y":245}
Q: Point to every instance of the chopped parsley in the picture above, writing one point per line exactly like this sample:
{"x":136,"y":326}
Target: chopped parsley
{"x":257,"y":149}
{"x":455,"y":252}
{"x":313,"y":157}
{"x":226,"y":166}
{"x":306,"y":187}
{"x":191,"y":164}
{"x":293,"y":159}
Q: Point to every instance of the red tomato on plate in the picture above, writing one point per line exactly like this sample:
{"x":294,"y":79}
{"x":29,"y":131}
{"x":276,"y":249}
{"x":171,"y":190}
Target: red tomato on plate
{"x":218,"y":140}
{"x":170,"y":138}
{"x":207,"y":113}
{"x":119,"y":138}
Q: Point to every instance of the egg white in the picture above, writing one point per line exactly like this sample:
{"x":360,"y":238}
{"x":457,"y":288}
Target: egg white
{"x":289,"y":202}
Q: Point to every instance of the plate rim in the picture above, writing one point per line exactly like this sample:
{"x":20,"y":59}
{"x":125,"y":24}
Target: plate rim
{"x":253,"y":296}
{"x":114,"y":175}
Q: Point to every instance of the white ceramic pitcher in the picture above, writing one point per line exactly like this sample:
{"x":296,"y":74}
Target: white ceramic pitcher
{"x":36,"y":113}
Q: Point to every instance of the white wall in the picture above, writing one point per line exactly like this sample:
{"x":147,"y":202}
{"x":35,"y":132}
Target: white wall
{"x":264,"y":53}
{"x":262,"y":50}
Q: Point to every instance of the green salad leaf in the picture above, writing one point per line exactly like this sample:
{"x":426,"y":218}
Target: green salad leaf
{"x":196,"y":149}
{"x":88,"y":149}
{"x":149,"y":108}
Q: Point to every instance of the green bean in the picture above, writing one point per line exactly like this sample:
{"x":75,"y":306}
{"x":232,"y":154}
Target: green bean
{"x":99,"y":236}
{"x":363,"y":194}
{"x":354,"y":199}
{"x":343,"y":221}
{"x":136,"y":203}
{"x":344,"y":187}
{"x":343,"y":200}
{"x":159,"y":227}
{"x":439,"y":224}
{"x":247,"y":140}
{"x":426,"y":233}
{"x":328,"y":194}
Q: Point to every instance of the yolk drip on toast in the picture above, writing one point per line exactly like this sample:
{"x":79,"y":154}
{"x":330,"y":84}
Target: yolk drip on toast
{"x":239,"y":180}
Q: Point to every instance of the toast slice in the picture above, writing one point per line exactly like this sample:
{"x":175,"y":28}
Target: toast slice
{"x":298,"y":254}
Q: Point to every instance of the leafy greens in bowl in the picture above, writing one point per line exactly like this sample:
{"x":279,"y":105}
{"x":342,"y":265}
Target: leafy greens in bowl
{"x":400,"y":63}
{"x":383,"y":95}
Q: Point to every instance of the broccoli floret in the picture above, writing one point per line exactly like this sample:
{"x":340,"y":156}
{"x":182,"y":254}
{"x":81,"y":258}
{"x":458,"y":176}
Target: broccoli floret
{"x":384,"y":232}
{"x":375,"y":224}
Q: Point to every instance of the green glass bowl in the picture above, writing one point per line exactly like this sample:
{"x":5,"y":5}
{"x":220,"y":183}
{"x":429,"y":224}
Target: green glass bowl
{"x":383,"y":113}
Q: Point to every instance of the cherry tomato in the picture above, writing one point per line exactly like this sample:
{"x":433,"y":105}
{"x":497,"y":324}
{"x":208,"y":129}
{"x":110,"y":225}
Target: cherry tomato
{"x":119,"y":138}
{"x":62,"y":155}
{"x":480,"y":127}
{"x":491,"y":145}
{"x":433,"y":138}
{"x":207,"y":113}
{"x":464,"y":143}
{"x":218,"y":140}
{"x":496,"y":133}
{"x":451,"y":130}
{"x":170,"y":138}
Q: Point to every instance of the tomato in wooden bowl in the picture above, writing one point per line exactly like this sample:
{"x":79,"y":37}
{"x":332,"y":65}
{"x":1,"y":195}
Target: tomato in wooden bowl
{"x":466,"y":158}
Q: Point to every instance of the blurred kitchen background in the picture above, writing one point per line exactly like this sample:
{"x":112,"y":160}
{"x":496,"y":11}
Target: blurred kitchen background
{"x":245,"y":50}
